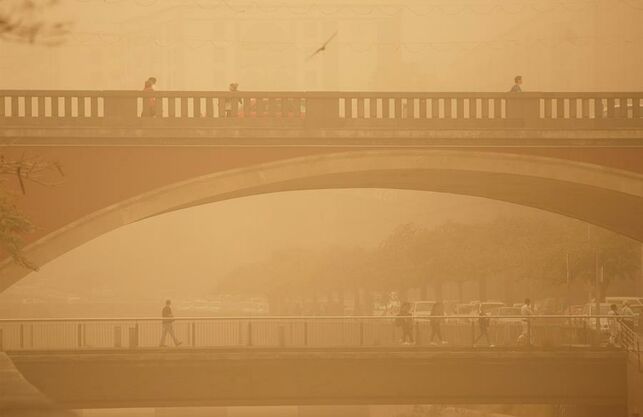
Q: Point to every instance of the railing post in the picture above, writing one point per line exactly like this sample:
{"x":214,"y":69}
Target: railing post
{"x":249,"y":333}
{"x":361,"y":333}
{"x":22,"y":336}
{"x":117,"y":337}
{"x":133,"y":337}
{"x":282,"y":336}
{"x":418,"y":337}
{"x":193,"y":326}
{"x":79,"y":335}
{"x":305,"y":332}
{"x":473,"y":333}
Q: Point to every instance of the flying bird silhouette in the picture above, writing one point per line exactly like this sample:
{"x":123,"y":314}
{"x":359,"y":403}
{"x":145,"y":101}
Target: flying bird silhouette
{"x":323,"y":47}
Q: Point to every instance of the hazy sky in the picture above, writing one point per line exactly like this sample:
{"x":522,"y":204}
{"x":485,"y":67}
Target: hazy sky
{"x":455,"y":45}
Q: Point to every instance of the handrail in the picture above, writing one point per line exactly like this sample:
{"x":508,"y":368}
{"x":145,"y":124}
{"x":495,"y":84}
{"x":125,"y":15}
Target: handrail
{"x":148,"y":318}
{"x":632,"y":343}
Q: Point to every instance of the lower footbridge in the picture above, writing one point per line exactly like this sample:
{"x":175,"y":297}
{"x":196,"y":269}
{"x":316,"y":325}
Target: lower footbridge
{"x":108,"y":363}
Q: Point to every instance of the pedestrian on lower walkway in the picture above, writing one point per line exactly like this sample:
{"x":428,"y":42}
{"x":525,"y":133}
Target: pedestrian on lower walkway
{"x":168,"y":325}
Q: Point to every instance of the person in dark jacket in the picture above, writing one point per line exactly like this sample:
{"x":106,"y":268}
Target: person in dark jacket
{"x":437,"y":315}
{"x":405,"y":321}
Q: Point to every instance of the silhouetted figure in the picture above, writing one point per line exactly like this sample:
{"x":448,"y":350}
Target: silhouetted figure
{"x":614,"y":325}
{"x":483,"y":323}
{"x":437,"y":314}
{"x":149,"y":103}
{"x":231,"y":104}
{"x":168,"y":325}
{"x":517,"y":83}
{"x":405,"y":321}
{"x":526,"y":336}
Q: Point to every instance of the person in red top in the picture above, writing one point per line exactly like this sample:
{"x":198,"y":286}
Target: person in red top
{"x":149,"y":103}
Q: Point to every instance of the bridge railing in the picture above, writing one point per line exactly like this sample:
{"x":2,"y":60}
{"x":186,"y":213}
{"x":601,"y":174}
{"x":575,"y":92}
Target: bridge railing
{"x":300,"y":332}
{"x":322,"y":109}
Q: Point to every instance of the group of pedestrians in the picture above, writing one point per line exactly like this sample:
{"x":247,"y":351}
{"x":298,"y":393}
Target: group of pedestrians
{"x":405,"y":321}
{"x":619,"y":321}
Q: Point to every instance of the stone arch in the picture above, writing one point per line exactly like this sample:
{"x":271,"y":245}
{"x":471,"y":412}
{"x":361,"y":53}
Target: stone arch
{"x":606,"y":197}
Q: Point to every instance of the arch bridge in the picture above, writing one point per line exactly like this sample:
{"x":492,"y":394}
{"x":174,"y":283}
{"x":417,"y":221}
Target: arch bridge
{"x":576,"y":154}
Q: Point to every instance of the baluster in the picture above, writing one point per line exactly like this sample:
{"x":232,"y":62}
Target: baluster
{"x":410,"y":108}
{"x":183,"y":105}
{"x":473,"y":108}
{"x":585,"y":108}
{"x":573,"y":108}
{"x":386,"y":109}
{"x":611,"y":108}
{"x":459,"y":111}
{"x":54,"y":107}
{"x":14,"y":106}
{"x":28,"y":107}
{"x":360,"y":107}
{"x":348,"y":108}
{"x":67,"y":106}
{"x":81,"y":106}
{"x":422,"y":108}
{"x":497,"y":108}
{"x":398,"y":108}
{"x":548,"y":111}
{"x":622,"y":110}
{"x":636,"y":107}
{"x":171,"y":107}
{"x":560,"y":108}
{"x":485,"y":108}
{"x":209,"y":107}
{"x":598,"y":108}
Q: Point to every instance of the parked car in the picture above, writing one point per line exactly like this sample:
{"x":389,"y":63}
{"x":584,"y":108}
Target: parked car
{"x":422,"y":308}
{"x":509,"y":312}
{"x":632,"y":301}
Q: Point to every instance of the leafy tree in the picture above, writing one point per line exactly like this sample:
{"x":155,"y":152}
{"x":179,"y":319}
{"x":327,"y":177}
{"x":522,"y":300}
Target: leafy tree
{"x":25,"y":21}
{"x":13,"y":223}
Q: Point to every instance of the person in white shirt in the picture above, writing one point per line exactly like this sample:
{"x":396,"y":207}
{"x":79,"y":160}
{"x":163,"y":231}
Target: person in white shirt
{"x":526,"y":337}
{"x":613,"y":324}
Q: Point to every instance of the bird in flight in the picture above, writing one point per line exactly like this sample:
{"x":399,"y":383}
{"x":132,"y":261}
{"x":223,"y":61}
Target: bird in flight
{"x":323,"y":47}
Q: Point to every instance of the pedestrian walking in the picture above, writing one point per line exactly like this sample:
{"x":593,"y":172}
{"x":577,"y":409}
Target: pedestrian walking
{"x":613,"y":325}
{"x":168,"y":325}
{"x":405,"y":321}
{"x":483,"y":323}
{"x":149,"y":103}
{"x":526,"y":336}
{"x":437,"y":315}
{"x":232,"y":104}
{"x":517,"y":83}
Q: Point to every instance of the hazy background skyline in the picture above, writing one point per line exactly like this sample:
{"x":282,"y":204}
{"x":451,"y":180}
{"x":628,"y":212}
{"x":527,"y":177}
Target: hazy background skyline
{"x":457,"y":45}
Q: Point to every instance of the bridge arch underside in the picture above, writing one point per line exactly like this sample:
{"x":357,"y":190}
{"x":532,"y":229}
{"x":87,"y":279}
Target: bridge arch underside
{"x":602,"y":196}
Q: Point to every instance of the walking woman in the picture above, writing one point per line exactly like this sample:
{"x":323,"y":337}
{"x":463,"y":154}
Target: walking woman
{"x":437,"y":315}
{"x":149,"y":103}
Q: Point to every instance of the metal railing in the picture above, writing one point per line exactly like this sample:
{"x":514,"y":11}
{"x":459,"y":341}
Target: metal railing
{"x":322,"y":109}
{"x":298,"y":332}
{"x":632,"y":343}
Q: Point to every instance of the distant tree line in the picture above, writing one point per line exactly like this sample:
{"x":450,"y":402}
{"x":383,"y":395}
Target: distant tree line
{"x":545,"y":252}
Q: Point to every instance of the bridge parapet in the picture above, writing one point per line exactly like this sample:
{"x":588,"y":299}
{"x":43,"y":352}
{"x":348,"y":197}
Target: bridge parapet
{"x":408,"y":110}
{"x":303,"y":332}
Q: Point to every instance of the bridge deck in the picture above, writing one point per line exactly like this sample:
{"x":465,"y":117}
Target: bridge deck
{"x":257,"y":376}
